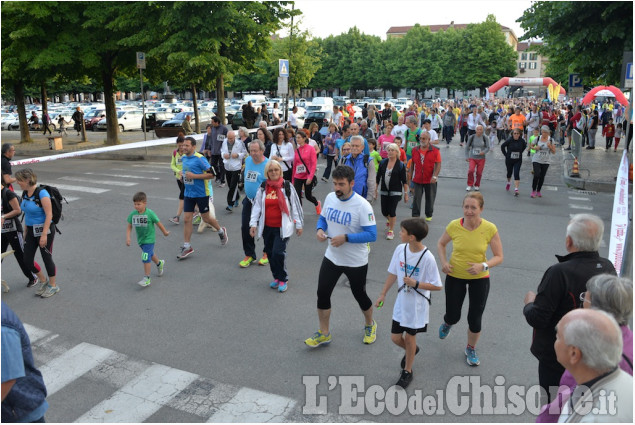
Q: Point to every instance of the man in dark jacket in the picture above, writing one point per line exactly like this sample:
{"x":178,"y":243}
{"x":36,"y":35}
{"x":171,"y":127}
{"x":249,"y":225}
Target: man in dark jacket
{"x":249,"y":115}
{"x":559,"y":292}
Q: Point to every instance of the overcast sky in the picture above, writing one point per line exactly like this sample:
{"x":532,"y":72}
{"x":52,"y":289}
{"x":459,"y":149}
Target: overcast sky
{"x":332,"y":17}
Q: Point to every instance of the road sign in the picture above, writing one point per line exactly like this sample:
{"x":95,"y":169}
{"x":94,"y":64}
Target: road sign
{"x":141,"y":60}
{"x":283,"y":85}
{"x":628,"y":79}
{"x":575,"y":92}
{"x":283,"y":67}
{"x":575,"y":80}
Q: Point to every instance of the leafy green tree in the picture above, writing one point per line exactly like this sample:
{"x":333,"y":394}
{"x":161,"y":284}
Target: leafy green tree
{"x":417,"y":54}
{"x":588,"y":38}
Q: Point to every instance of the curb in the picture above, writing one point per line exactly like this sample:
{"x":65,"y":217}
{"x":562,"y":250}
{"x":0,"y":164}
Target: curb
{"x":584,"y":184}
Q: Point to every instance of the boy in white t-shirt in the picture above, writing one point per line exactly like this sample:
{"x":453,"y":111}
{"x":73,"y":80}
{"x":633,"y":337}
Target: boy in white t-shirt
{"x":414,"y":268}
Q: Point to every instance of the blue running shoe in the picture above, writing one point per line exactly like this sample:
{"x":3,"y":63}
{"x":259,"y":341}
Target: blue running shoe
{"x":274,"y":284}
{"x":444,"y":330}
{"x":472,"y":357}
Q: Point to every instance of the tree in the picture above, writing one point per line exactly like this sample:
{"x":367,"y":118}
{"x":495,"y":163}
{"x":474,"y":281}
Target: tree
{"x":588,"y":38}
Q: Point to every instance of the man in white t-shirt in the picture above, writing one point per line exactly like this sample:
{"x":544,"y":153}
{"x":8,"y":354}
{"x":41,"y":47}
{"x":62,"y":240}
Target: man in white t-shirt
{"x":400,"y":129}
{"x":293,"y":120}
{"x":347,"y":221}
{"x":276,"y":114}
{"x":337,"y":116}
{"x":434,"y":137}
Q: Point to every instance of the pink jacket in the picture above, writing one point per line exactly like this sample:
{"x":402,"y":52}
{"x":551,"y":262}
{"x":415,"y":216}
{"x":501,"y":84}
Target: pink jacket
{"x":310,"y":159}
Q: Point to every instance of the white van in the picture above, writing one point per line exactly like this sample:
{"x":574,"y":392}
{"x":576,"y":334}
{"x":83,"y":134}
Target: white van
{"x":256,"y":99}
{"x":320,"y":104}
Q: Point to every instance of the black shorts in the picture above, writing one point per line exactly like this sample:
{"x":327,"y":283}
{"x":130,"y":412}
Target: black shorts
{"x":181,"y":189}
{"x":202,"y":202}
{"x":389,"y":205}
{"x":398,"y":329}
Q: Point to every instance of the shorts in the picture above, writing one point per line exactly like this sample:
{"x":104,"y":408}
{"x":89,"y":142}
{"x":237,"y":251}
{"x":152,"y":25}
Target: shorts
{"x":398,"y":329}
{"x":147,"y":252}
{"x":202,"y":202}
{"x":389,"y":205}
{"x":181,"y":189}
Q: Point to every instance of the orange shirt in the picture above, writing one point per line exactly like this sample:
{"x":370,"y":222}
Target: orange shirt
{"x":517,"y":121}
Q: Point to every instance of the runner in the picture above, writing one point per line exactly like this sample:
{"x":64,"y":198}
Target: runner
{"x":424,"y":169}
{"x":513,"y":149}
{"x":391,"y":187}
{"x":475,"y":150}
{"x":282,"y":151}
{"x":330,"y":150}
{"x":196,"y":169}
{"x":40,"y":229}
{"x":348,"y":223}
{"x":304,"y":167}
{"x":233,"y":154}
{"x":545,"y":148}
{"x":177,"y":168}
{"x":276,"y":211}
{"x":468,"y":269}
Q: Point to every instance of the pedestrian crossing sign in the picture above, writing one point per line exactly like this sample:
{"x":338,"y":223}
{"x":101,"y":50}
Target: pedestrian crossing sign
{"x":283,"y":67}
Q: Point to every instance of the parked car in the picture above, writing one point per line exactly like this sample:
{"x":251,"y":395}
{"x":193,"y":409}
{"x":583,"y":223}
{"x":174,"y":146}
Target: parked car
{"x":92,"y":117}
{"x":156,"y":119}
{"x":126,"y":120}
{"x":8,"y":120}
{"x":178,"y":119}
{"x":322,"y":118}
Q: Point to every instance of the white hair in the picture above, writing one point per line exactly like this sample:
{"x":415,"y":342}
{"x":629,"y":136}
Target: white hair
{"x":586,"y":231}
{"x":613,"y":295}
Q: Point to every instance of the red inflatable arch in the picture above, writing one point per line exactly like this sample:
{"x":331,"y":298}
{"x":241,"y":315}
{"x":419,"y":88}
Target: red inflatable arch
{"x":514,"y":81}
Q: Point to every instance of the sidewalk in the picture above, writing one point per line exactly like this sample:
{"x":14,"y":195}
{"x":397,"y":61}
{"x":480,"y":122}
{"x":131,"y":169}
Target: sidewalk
{"x":598,"y":168}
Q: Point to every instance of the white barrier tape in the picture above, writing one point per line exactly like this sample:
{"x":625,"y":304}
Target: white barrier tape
{"x":135,"y":145}
{"x":619,"y":222}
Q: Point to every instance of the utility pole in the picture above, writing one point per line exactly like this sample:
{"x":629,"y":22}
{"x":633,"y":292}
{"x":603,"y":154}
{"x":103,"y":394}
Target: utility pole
{"x":286,"y":104}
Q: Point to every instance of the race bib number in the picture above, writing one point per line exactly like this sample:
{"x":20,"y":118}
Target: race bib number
{"x":251,"y":176}
{"x":140,"y":221}
{"x":220,"y":138}
{"x":8,"y":226}
{"x":179,"y":160}
{"x":412,"y":144}
{"x":476,"y":151}
{"x":515,"y":155}
{"x":543,"y":154}
{"x":38,"y":230}
{"x":187,"y":181}
{"x":300,"y":169}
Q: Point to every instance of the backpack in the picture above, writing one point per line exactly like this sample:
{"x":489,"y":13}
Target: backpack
{"x":56,"y":202}
{"x":287,"y":187}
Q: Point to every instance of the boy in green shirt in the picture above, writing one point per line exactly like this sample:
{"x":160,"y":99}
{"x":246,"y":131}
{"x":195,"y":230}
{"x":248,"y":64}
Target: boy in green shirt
{"x":143,"y":219}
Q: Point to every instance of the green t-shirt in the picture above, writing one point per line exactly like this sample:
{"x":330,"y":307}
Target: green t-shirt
{"x":532,"y":138}
{"x":412,"y":140}
{"x":377,"y":157}
{"x":144,"y":225}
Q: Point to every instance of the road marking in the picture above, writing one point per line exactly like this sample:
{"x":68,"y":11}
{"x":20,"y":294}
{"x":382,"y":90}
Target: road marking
{"x":550,"y":188}
{"x":123,"y":176}
{"x":141,"y":397}
{"x":250,"y":405}
{"x":35,"y":334}
{"x":97,"y":181}
{"x":578,"y":198}
{"x":152,"y":165}
{"x":166,"y":171}
{"x":71,"y":198}
{"x":580,"y":207}
{"x":64,"y":369}
{"x":82,"y":188}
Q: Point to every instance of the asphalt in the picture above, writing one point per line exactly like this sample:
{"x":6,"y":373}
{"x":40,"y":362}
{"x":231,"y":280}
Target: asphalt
{"x":598,"y":168}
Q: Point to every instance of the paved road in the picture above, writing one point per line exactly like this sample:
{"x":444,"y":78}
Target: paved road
{"x":211,"y":341}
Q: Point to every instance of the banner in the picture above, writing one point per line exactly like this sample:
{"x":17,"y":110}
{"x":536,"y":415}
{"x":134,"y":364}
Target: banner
{"x":619,"y":221}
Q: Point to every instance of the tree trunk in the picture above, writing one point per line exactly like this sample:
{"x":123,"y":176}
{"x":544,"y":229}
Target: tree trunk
{"x":220,"y":99}
{"x":112,"y":128}
{"x":44,"y":98}
{"x":25,"y":134}
{"x":197,"y":126}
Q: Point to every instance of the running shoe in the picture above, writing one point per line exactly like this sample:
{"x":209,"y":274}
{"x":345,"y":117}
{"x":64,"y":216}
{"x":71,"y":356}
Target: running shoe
{"x":237,"y":203}
{"x":428,"y":218}
{"x":144,"y":282}
{"x":370,"y":333}
{"x":472,"y":357}
{"x":246,"y":262}
{"x":318,"y":208}
{"x":274,"y":284}
{"x":508,"y":185}
{"x":229,"y":208}
{"x":32,"y":282}
{"x":533,"y":194}
{"x":221,"y":185}
{"x":50,"y":291}
{"x":196,"y":219}
{"x":176,"y":219}
{"x":515,"y":192}
{"x":160,"y":268}
{"x":390,"y":235}
{"x":538,"y":194}
{"x":477,"y":188}
{"x":264,"y":260}
{"x":40,"y":289}
{"x":318,"y":339}
{"x":185,"y":252}
{"x":444,"y":330}
{"x":467,"y":189}
{"x":223,"y":236}
{"x":405,"y":379}
{"x":403,"y":360}
{"x":282,"y":286}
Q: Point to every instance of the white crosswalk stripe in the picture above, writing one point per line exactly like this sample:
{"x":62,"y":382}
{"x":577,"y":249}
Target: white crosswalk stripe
{"x":74,"y":188}
{"x":166,"y":170}
{"x":71,"y":198}
{"x":581,"y":207}
{"x":98,"y":181}
{"x":152,"y":165}
{"x":124,"y":176}
{"x":140,"y":388}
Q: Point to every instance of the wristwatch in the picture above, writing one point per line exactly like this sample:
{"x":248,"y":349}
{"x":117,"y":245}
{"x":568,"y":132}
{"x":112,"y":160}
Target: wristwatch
{"x":485,"y":267}
{"x":417,"y":285}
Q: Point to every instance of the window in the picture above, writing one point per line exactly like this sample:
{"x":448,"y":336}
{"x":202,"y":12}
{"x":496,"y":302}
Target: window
{"x":533,"y":56}
{"x":532,"y":65}
{"x":523,"y":56}
{"x":522,"y":65}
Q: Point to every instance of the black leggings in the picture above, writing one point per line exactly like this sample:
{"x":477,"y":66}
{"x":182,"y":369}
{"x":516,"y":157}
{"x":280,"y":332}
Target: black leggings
{"x":330,"y":273}
{"x":232,"y":181}
{"x":16,"y":241}
{"x":389,"y":205}
{"x":455,"y":290}
{"x":31,"y":245}
{"x":298,"y":184}
{"x":540,"y":170}
{"x":513,"y":165}
{"x":463,"y":133}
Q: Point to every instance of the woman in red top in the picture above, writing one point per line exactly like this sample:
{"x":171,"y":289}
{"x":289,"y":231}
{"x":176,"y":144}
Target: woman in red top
{"x":304,"y":166}
{"x":275,"y":213}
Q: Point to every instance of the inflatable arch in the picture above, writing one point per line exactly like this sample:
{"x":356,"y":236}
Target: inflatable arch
{"x":514,"y":81}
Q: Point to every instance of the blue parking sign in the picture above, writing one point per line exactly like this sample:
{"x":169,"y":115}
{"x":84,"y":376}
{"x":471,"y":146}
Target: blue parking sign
{"x":575,"y":80}
{"x":283,"y":67}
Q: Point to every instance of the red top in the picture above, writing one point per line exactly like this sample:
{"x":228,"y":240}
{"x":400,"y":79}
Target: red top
{"x":273,"y":214}
{"x":423,"y":162}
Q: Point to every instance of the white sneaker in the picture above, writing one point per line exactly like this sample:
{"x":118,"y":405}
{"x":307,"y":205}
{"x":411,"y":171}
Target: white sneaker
{"x":467,"y":189}
{"x":476,"y":188}
{"x":144,"y":282}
